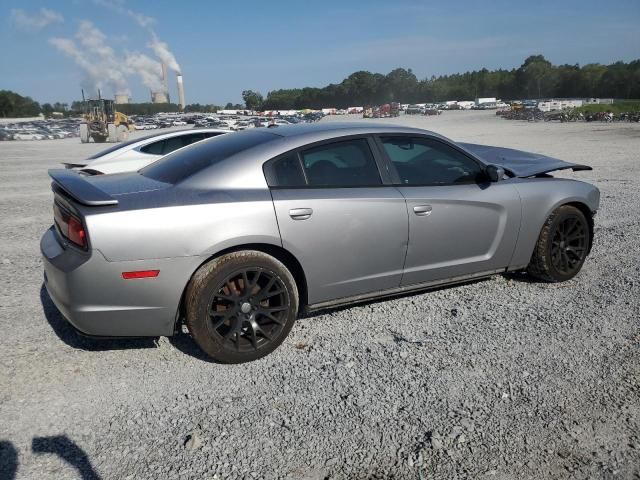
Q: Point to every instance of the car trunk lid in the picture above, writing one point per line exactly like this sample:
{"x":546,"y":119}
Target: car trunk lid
{"x":102,"y":190}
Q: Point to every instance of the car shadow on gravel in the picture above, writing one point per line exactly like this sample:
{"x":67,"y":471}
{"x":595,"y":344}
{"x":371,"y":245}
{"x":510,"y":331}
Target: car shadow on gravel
{"x":389,"y":298}
{"x":183,"y":342}
{"x":69,"y":335}
{"x":520,"y":276}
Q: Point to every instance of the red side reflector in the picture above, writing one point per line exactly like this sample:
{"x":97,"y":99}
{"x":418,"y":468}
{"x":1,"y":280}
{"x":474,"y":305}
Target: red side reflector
{"x":140,"y":274}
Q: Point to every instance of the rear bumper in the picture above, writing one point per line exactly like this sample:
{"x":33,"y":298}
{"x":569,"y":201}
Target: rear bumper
{"x":91,"y":294}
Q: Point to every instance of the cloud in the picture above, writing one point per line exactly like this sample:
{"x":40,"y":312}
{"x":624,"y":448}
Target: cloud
{"x":36,"y":21}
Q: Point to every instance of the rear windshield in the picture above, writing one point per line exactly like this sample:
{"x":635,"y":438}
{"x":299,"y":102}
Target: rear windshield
{"x":177,"y":166}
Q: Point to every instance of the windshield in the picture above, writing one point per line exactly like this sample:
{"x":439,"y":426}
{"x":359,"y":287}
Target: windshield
{"x":185,"y":162}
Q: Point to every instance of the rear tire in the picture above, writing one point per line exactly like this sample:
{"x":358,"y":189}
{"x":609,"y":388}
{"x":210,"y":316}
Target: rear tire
{"x":241,"y":306}
{"x":112,"y":133}
{"x":562,"y":246}
{"x":123,"y":133}
{"x":84,"y":133}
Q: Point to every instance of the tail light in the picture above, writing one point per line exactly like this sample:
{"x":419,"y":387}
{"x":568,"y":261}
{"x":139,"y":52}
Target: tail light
{"x":70,"y":226}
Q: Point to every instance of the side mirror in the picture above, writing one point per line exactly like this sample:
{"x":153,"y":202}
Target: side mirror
{"x":494,"y":172}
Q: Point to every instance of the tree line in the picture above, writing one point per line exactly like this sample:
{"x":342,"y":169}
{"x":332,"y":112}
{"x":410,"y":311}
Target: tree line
{"x":536,"y":78}
{"x":13,"y":105}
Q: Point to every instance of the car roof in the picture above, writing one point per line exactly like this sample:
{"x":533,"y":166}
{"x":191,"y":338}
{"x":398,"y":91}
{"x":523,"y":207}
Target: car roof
{"x":343,"y":129}
{"x":243,"y":169}
{"x":172,"y":133}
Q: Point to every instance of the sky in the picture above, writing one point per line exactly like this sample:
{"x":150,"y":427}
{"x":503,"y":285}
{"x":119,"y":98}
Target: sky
{"x":223,"y":48}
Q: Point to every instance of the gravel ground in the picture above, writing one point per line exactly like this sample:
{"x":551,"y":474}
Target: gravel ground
{"x":502,"y":378}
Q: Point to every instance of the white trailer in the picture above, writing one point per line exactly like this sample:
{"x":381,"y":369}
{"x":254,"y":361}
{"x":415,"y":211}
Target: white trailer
{"x":466,"y":104}
{"x":555,"y":105}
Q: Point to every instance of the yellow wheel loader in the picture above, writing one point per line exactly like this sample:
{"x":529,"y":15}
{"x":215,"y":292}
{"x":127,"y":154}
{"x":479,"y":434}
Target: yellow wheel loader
{"x":102,"y":123}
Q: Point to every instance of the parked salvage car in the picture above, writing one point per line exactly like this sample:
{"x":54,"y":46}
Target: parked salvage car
{"x":236,"y":235}
{"x":29,"y":135}
{"x":414,"y":110}
{"x":140,"y":152}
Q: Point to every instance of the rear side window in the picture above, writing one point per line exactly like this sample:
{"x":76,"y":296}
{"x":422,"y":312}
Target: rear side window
{"x":341,"y":164}
{"x":285,"y":172}
{"x":181,"y":164}
{"x":118,"y":146}
{"x":154,"y":148}
{"x":211,"y":134}
{"x":173,"y":143}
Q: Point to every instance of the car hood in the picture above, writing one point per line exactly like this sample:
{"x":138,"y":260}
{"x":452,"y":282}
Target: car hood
{"x":519,"y":163}
{"x":125,"y":183}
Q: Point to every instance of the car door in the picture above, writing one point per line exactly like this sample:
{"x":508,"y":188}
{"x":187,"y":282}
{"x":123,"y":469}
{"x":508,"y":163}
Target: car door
{"x":459,"y":223}
{"x":345,"y":226}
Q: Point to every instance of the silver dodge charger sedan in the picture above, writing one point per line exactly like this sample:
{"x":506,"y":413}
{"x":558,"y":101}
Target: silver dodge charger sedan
{"x":236,"y":235}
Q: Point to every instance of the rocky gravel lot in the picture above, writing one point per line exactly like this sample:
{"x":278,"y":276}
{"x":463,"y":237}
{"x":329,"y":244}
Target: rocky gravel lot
{"x":498,"y":379}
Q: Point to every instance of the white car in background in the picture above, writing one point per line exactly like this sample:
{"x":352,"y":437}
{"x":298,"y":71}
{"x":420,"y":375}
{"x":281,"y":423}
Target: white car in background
{"x":29,"y":135}
{"x":135,"y":154}
{"x":277,"y":122}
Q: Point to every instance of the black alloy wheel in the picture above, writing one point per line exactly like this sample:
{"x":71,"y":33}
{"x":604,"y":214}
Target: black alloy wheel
{"x":241,"y":306}
{"x":562,"y":247}
{"x":249,"y":309}
{"x":569,"y":244}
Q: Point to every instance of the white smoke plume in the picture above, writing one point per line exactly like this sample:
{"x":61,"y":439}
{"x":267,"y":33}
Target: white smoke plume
{"x":147,"y":68}
{"x":118,"y":6}
{"x":95,"y":57}
{"x":103,"y":67}
{"x":160,"y":48}
{"x":35,"y":21}
{"x":92,"y":52}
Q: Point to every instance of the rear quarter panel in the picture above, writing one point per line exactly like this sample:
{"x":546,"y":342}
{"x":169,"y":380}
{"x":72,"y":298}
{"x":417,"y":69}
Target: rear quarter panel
{"x":540,"y":197}
{"x":217,"y":221}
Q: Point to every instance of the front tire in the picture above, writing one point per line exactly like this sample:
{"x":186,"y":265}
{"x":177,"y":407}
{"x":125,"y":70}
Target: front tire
{"x":562,"y":246}
{"x":241,"y":306}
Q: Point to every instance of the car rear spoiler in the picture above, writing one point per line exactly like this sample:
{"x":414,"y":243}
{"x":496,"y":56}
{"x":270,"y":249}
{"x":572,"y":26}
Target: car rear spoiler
{"x":79,"y":188}
{"x":520,"y":164}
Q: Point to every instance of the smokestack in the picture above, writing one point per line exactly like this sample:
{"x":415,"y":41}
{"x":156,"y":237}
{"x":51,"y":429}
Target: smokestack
{"x":180,"y":91}
{"x":159,"y":97}
{"x":121,"y":98}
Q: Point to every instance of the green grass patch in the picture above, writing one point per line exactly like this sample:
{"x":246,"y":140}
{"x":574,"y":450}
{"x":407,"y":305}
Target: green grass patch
{"x":616,"y":107}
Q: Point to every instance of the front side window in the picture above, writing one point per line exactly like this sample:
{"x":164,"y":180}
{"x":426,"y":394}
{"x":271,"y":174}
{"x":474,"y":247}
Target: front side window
{"x":341,"y":164}
{"x":422,"y":161}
